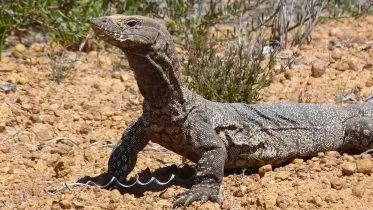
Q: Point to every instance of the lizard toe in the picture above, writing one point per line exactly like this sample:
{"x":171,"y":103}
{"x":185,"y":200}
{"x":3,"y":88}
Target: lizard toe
{"x":202,"y":193}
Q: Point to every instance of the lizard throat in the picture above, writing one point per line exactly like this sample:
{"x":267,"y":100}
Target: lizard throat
{"x":158,"y":78}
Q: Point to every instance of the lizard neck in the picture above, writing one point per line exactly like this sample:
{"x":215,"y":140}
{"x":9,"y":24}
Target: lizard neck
{"x":158,"y":76}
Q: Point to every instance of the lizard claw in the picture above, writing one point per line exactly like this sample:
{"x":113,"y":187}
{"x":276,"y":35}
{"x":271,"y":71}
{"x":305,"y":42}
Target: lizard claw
{"x":198,"y":192}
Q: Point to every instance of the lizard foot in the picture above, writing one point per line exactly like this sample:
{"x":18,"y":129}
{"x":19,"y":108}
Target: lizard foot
{"x":202,"y":192}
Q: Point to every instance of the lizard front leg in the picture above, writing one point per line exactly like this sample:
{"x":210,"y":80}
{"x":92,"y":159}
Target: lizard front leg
{"x":124,"y":155}
{"x":210,"y":166}
{"x":208,"y":177}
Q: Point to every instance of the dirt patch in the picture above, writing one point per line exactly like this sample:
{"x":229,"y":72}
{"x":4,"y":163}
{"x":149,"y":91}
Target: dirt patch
{"x":53,"y":133}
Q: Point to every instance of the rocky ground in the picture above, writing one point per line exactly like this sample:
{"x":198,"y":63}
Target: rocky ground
{"x":52,"y":133}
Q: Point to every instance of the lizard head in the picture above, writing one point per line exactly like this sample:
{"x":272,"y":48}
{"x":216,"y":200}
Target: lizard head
{"x":131,"y":33}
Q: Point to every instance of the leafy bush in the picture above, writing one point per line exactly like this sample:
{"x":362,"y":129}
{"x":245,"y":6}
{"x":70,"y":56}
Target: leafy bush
{"x":221,"y":65}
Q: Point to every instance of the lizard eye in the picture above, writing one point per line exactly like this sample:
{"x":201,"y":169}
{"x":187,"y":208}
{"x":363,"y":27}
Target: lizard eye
{"x":132,"y":23}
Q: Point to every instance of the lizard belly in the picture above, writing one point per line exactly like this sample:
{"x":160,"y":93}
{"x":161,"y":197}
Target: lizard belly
{"x":175,"y":140}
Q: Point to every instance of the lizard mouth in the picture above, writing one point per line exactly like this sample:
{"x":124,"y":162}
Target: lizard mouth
{"x":124,"y":39}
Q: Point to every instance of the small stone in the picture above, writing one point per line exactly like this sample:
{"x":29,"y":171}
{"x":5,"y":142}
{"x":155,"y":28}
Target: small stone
{"x":369,"y":82}
{"x":348,"y":168}
{"x":264,"y":169}
{"x":65,"y":204}
{"x":37,"y":47}
{"x":315,"y":159}
{"x":20,"y":47}
{"x":302,"y":175}
{"x":84,"y":129}
{"x":118,"y":118}
{"x":315,"y":200}
{"x":320,"y":154}
{"x":78,"y":205}
{"x":353,"y":64}
{"x":336,"y":183}
{"x":282,"y":201}
{"x":240,"y":192}
{"x":203,"y":206}
{"x":42,"y":60}
{"x":337,"y":54}
{"x":333,"y":154}
{"x":297,"y":161}
{"x":24,"y":137}
{"x":282,"y":175}
{"x":115,"y":75}
{"x":104,"y":61}
{"x":92,"y":55}
{"x":167,"y":194}
{"x":22,"y":80}
{"x":330,"y":198}
{"x":61,"y":169}
{"x":26,"y":107}
{"x":42,"y":133}
{"x":347,"y":157}
{"x":366,"y":156}
{"x":76,"y":116}
{"x":107,"y":111}
{"x":2,"y":126}
{"x":342,"y":66}
{"x":364,"y":166}
{"x":288,"y":74}
{"x":318,"y":69}
{"x":358,"y":190}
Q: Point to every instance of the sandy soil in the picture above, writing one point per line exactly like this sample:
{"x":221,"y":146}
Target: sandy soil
{"x":55,"y":133}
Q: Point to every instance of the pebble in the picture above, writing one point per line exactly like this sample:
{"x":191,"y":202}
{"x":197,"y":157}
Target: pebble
{"x":320,"y":154}
{"x":240,"y":192}
{"x":288,"y":74}
{"x":348,"y":168}
{"x":369,"y":82}
{"x":337,"y":54}
{"x":116,"y":75}
{"x":347,"y":157}
{"x":78,"y":205}
{"x":25,"y":137}
{"x":282,"y":202}
{"x":92,"y":55}
{"x":315,"y":159}
{"x":65,"y":204}
{"x":318,"y":69}
{"x":2,"y":126}
{"x":353,"y":64}
{"x":282,"y":175}
{"x":358,"y":190}
{"x":26,"y":106}
{"x":342,"y":66}
{"x":333,"y":154}
{"x":22,"y":80}
{"x":366,"y":156}
{"x":167,"y":194}
{"x":336,"y":183}
{"x":37,"y":47}
{"x":264,"y":169}
{"x":297,"y":161}
{"x":364,"y":166}
{"x":315,"y":200}
{"x":330,"y":198}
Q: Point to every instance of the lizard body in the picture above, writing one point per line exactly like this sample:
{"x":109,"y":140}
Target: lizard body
{"x":216,"y":135}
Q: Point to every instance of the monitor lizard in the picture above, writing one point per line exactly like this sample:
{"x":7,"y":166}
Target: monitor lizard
{"x":214,"y":135}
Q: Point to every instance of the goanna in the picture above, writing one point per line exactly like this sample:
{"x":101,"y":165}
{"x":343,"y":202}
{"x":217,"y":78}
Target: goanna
{"x":216,"y":136}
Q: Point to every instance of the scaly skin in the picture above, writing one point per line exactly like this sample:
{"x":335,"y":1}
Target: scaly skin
{"x":216,"y":135}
